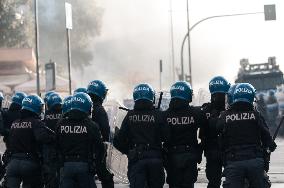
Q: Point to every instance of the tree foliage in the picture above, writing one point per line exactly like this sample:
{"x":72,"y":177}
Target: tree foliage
{"x":15,"y":23}
{"x":17,"y":28}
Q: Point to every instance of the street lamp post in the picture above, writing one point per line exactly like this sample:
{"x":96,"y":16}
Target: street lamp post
{"x":270,"y":14}
{"x":189,"y":51}
{"x":37,"y":48}
{"x":69,"y":26}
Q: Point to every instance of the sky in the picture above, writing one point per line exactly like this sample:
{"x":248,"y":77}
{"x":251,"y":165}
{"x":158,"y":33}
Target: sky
{"x":135,"y":35}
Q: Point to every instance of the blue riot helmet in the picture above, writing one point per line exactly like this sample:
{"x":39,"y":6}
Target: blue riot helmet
{"x":230,"y":94}
{"x":144,"y":91}
{"x":47,"y":94}
{"x":18,"y":97}
{"x":244,"y":92}
{"x":82,"y":102}
{"x":80,"y":89}
{"x":218,"y":84}
{"x":53,"y":99}
{"x":98,"y":88}
{"x":66,"y":104}
{"x":181,"y":90}
{"x":33,"y":103}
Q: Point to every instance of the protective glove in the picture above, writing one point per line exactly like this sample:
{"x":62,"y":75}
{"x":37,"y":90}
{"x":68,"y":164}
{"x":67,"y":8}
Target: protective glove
{"x":272,"y":146}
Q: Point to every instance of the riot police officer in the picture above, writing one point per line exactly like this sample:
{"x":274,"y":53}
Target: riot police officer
{"x":218,"y":87}
{"x":244,"y":135}
{"x":272,"y":107}
{"x":97,"y":90}
{"x":183,"y":150}
{"x":50,"y":162}
{"x":8,"y":116}
{"x":140,"y":137}
{"x":261,"y":106}
{"x":12,"y":114}
{"x":78,"y":139}
{"x":26,"y":135}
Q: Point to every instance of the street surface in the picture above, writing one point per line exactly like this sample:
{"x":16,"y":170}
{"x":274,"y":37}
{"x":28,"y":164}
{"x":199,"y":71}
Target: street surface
{"x":119,"y":164}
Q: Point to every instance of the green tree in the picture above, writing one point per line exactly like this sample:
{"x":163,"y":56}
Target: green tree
{"x":16,"y":23}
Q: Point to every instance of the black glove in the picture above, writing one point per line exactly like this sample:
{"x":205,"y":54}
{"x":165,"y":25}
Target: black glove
{"x":272,"y":146}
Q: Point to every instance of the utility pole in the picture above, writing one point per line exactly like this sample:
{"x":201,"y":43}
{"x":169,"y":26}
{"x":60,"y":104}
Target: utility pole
{"x":37,"y":48}
{"x":68,"y":10}
{"x":172,"y":41}
{"x":161,"y":70}
{"x":189,"y":51}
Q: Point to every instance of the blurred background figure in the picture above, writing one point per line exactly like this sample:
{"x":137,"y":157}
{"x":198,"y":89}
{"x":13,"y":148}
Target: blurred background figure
{"x":272,"y":108}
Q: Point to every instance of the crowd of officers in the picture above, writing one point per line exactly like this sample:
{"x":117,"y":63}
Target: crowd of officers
{"x":67,"y":147}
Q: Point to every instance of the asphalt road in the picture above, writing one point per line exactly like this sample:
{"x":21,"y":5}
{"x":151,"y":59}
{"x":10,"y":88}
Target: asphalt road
{"x":119,"y":164}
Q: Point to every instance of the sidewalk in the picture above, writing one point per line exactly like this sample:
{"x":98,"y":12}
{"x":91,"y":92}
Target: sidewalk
{"x":198,"y":185}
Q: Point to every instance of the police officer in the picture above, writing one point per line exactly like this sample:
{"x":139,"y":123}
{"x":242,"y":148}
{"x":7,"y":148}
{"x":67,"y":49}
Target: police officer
{"x":218,"y":87}
{"x":12,"y":114}
{"x":80,"y":89}
{"x":97,"y":90}
{"x":272,"y":109}
{"x":261,"y":105}
{"x":244,"y":135}
{"x":78,"y":139}
{"x":140,"y":138}
{"x":50,"y":162}
{"x":183,"y":150}
{"x":26,"y":135}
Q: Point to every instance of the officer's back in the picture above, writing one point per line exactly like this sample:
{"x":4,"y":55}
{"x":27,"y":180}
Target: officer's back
{"x":244,"y":136}
{"x":140,"y":137}
{"x":183,"y":151}
{"x":50,"y":162}
{"x":78,"y":139}
{"x":26,"y":135}
{"x":12,"y":114}
{"x":143,"y":120}
{"x":97,"y":90}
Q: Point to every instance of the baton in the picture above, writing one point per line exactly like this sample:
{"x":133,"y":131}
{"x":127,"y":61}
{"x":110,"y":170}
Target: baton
{"x":278,"y":128}
{"x":160,"y":100}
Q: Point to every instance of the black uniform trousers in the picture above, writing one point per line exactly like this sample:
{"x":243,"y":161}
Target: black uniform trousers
{"x":76,"y":175}
{"x":146,"y":171}
{"x":50,"y":167}
{"x":104,"y":175}
{"x":182,"y":170}
{"x":23,"y":170}
{"x":214,"y":164}
{"x":236,"y":172}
